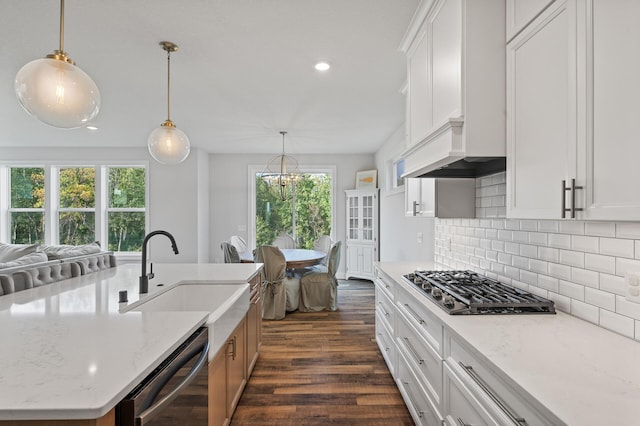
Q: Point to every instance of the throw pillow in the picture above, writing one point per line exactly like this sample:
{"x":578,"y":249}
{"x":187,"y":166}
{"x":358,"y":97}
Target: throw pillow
{"x":27,"y":259}
{"x":9,"y":252}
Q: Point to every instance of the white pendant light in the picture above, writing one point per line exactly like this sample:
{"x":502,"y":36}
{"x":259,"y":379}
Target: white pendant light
{"x":167,"y":144}
{"x":55,"y":91}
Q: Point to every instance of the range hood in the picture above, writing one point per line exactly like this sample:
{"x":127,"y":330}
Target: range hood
{"x":449,"y":152}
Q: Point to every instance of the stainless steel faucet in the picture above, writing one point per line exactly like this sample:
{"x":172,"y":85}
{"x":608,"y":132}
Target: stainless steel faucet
{"x":144,"y":278}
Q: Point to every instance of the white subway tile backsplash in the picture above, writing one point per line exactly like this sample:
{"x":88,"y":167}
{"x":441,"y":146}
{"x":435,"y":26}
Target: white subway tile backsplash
{"x":572,"y":258}
{"x":626,"y":308}
{"x":571,"y":227}
{"x":628,"y":230}
{"x":548,"y":254}
{"x":584,"y":243}
{"x":624,"y":266}
{"x":538,"y":238}
{"x":562,"y":241}
{"x":616,"y":247}
{"x":528,"y":251}
{"x":600,"y":229}
{"x":585,"y":311}
{"x":548,"y":283}
{"x":572,"y":290}
{"x":600,"y":298}
{"x":618,"y":323}
{"x":588,"y":278}
{"x":548,"y":226}
{"x":520,"y":262}
{"x":597,"y":262}
{"x":560,"y":271}
{"x":579,"y":265}
{"x":612,"y":284}
{"x":538,"y":266}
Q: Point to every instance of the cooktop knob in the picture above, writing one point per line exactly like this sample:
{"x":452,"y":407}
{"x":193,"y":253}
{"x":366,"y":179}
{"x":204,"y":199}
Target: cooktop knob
{"x":436,"y":292}
{"x":417,"y":280}
{"x":426,"y":286}
{"x":448,"y":301}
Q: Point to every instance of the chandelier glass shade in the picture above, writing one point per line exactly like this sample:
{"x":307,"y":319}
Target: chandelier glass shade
{"x":57,"y":92}
{"x":281,"y":172}
{"x":168,"y":144}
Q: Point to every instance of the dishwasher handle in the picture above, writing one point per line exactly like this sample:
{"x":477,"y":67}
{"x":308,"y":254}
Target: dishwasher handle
{"x":154,"y":409}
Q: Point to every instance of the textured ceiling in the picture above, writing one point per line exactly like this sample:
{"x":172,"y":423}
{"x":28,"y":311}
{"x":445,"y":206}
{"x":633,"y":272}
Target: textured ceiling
{"x":244,"y":71}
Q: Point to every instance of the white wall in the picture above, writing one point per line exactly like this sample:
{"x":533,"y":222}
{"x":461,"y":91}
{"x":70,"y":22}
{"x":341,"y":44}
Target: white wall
{"x":173,"y":194}
{"x":398,"y":233}
{"x":230,"y":199}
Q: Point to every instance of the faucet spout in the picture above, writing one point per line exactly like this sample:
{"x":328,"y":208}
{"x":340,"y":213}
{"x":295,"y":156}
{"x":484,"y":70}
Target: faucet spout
{"x":144,"y":277}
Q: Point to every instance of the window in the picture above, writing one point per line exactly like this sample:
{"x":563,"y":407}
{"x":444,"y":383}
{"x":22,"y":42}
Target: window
{"x":306,"y":214}
{"x":26,"y":206}
{"x":75,"y":205}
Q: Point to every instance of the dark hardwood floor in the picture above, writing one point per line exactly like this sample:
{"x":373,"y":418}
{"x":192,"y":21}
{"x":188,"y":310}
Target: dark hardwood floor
{"x":323,"y":368}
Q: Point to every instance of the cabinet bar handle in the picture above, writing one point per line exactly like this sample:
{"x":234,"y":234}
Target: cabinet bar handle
{"x":517,"y":420}
{"x":415,"y":208}
{"x":413,"y":314}
{"x":461,"y":422}
{"x":413,"y":351}
{"x":413,"y":403}
{"x":573,"y":198}
{"x":386,"y":314}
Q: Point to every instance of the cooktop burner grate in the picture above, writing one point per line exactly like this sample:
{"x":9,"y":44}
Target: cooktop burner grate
{"x":466,"y":292}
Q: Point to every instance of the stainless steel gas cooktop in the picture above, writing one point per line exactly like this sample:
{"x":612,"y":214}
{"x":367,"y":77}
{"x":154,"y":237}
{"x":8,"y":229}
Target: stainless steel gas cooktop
{"x":466,"y":292}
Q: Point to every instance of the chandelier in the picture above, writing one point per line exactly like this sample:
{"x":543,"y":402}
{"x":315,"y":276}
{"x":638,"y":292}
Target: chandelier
{"x":281,"y":172}
{"x":57,"y":92}
{"x":167,"y":144}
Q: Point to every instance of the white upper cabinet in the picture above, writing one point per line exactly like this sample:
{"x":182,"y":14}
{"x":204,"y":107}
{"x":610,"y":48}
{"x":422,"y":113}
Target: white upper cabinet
{"x":456,"y":83}
{"x":608,"y":160}
{"x":572,"y":111}
{"x":521,"y":12}
{"x":541,"y":137}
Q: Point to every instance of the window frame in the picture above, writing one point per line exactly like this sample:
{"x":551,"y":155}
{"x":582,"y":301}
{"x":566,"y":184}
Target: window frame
{"x":52,"y":199}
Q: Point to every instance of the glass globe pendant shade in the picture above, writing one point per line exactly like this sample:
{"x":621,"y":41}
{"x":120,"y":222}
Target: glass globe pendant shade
{"x":57,"y":93}
{"x":168,"y":144}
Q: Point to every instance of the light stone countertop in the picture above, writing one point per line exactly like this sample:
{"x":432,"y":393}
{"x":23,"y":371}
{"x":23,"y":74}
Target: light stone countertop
{"x":69,"y":353}
{"x":582,"y":373}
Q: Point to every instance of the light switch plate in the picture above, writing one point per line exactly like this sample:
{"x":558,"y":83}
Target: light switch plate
{"x":419,"y":239}
{"x":632,"y":284}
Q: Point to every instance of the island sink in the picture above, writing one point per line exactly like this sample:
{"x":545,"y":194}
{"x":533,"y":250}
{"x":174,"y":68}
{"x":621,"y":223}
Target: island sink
{"x":227,"y":305}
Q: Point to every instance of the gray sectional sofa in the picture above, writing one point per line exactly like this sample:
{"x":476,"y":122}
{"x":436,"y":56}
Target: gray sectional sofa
{"x":24,"y":266}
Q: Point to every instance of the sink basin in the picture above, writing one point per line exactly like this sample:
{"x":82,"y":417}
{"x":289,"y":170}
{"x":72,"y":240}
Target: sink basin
{"x":227,"y":305}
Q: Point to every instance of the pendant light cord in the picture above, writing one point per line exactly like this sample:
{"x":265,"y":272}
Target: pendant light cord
{"x":61,"y":26}
{"x":168,"y":85}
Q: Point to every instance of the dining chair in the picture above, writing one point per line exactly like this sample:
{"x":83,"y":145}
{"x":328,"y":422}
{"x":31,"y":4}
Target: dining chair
{"x":319,"y":289}
{"x":281,"y":293}
{"x":239,"y":243}
{"x":284,"y":241}
{"x":230,"y":253}
{"x":323,"y":243}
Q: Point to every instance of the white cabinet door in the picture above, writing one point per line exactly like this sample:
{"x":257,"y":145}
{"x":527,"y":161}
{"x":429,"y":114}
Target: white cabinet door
{"x":521,"y":12}
{"x":418,"y":106}
{"x":362,"y":232}
{"x":446,"y":60}
{"x":541,"y":111}
{"x":419,"y":197}
{"x":609,"y":161}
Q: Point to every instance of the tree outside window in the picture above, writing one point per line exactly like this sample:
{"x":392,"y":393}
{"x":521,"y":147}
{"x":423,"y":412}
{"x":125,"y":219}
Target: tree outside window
{"x":26,"y":209}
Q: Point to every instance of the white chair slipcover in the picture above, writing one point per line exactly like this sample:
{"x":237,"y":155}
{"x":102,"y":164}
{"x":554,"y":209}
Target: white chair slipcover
{"x":280,"y":293}
{"x":230,"y":253}
{"x":239,"y":243}
{"x":284,"y":241}
{"x":319,"y":290}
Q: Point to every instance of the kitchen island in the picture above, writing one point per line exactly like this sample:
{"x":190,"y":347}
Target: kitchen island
{"x":70,"y":350}
{"x":548,"y":369}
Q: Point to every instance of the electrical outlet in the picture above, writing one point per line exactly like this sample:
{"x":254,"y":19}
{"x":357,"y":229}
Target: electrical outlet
{"x":632,"y":281}
{"x":419,"y":239}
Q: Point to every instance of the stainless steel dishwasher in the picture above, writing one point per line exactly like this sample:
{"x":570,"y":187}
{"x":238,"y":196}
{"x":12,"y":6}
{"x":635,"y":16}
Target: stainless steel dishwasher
{"x":175,"y":393}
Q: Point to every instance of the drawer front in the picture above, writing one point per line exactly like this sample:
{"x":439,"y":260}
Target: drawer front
{"x":385,"y":283}
{"x":460,"y":406}
{"x":386,"y":345}
{"x":501,"y":398}
{"x":386,"y":309}
{"x":423,"y":411}
{"x":422,"y":359}
{"x":421,"y":318}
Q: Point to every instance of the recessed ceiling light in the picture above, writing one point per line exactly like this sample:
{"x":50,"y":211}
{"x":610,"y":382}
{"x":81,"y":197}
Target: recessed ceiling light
{"x":92,"y":128}
{"x":322,"y":66}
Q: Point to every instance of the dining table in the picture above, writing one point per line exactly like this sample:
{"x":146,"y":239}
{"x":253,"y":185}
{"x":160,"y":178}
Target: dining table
{"x":295,"y":258}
